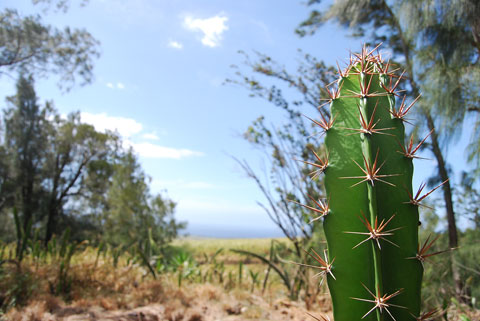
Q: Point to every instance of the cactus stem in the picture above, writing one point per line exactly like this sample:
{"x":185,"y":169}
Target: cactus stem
{"x":371,"y":173}
{"x":381,"y":301}
{"x":409,"y":152}
{"x":377,"y":232}
{"x":403,"y":109}
{"x":377,"y":261}
{"x":369,"y":128}
{"x":417,"y":199}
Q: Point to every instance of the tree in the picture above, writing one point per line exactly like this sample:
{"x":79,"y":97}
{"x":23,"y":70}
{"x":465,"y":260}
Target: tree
{"x":288,"y":148}
{"x":131,"y":209}
{"x":62,"y":5}
{"x":468,"y":200}
{"x":26,"y":43}
{"x":26,"y":130}
{"x":447,"y":38}
{"x":48,"y":160}
{"x":72,"y":149}
{"x":59,"y":172}
{"x":381,"y":21}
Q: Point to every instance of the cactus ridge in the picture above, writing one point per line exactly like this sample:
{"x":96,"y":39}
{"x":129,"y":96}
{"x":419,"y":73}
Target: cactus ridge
{"x":371,"y":225}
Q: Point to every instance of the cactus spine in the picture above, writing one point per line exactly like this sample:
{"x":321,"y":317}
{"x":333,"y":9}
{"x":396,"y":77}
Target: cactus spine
{"x":373,"y":269}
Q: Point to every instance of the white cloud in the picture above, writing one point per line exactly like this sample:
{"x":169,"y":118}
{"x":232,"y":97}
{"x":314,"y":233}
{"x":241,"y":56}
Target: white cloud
{"x":150,"y":150}
{"x":119,"y":85}
{"x":212,"y":28}
{"x":175,"y":45}
{"x":151,"y":136}
{"x":126,"y":127}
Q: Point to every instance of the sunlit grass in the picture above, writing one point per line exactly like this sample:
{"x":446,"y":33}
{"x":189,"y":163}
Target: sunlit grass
{"x":209,"y":246}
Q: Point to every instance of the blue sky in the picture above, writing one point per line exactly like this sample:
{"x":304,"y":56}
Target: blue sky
{"x":159,"y":82}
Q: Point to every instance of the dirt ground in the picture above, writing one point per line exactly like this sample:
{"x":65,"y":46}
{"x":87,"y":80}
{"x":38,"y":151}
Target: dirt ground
{"x":191,"y":303}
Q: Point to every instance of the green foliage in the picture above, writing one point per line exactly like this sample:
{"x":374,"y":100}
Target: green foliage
{"x":19,"y":284}
{"x":438,"y":289}
{"x":133,"y":214}
{"x":26,"y":43}
{"x":61,"y":173}
{"x":254,"y":277}
{"x":26,"y":130}
{"x":61,"y":5}
{"x":283,"y":274}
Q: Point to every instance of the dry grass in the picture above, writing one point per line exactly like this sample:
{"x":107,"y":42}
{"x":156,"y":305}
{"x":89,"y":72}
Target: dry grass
{"x":162,"y":300}
{"x":208,"y":246}
{"x":102,"y":292}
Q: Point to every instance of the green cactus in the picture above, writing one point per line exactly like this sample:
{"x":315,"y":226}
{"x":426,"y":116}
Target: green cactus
{"x":374,"y":265}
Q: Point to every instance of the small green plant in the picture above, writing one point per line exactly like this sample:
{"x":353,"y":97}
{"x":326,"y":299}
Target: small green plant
{"x":374,"y":263}
{"x":185,"y":266}
{"x":254,"y":277}
{"x":62,"y":257}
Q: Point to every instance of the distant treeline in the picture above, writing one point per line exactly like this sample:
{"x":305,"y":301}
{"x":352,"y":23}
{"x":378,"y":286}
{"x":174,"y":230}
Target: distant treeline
{"x":57,"y":173}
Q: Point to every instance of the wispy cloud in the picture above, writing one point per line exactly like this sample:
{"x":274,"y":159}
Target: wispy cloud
{"x":263,"y":30}
{"x":149,"y":150}
{"x":212,"y":28}
{"x":126,"y":127}
{"x":132,"y":12}
{"x":119,"y":85}
{"x":151,"y":136}
{"x":131,"y":130}
{"x":175,"y":45}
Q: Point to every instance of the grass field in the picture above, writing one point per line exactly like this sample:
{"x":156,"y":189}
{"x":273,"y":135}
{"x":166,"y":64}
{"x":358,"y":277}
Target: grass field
{"x":199,"y":247}
{"x":197,"y":286}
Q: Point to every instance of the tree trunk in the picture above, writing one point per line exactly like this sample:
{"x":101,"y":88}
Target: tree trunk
{"x":447,"y":190}
{"x":447,"y":196}
{"x":51,"y":221}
